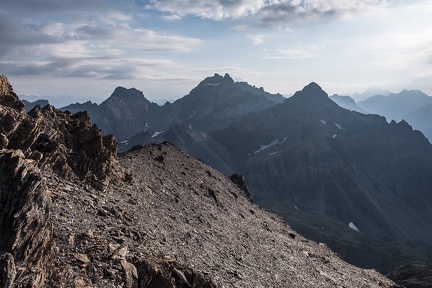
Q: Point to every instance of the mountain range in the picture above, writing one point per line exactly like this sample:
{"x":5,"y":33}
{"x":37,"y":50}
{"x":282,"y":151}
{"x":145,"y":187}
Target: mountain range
{"x":354,"y":181}
{"x":74,"y":213}
{"x":213,"y":104}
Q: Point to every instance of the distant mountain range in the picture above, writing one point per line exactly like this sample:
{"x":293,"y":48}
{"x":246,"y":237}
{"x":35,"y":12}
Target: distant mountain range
{"x":347,"y":102}
{"x":355,"y":181}
{"x":213,"y":104}
{"x":396,"y":106}
{"x":370,"y":92}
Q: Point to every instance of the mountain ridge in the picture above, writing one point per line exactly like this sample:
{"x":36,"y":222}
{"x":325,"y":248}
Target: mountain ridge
{"x":176,"y":223}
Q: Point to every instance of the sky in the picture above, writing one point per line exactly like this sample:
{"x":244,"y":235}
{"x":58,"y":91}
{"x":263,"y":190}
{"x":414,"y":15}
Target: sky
{"x":79,"y":50}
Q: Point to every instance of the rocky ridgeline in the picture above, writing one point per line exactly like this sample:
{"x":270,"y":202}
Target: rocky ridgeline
{"x":74,"y":215}
{"x":32,"y":145}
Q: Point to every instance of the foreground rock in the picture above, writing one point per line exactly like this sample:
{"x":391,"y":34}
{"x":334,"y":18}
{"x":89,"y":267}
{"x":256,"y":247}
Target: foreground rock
{"x":164,"y":220}
{"x":414,"y":275}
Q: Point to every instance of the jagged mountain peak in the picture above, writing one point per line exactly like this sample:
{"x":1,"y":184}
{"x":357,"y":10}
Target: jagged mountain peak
{"x":128,"y":94}
{"x":228,"y":78}
{"x":216,"y":80}
{"x":8,"y":96}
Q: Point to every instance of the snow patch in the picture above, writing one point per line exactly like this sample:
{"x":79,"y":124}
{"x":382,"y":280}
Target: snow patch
{"x":296,"y":208}
{"x":156,"y":134}
{"x":274,"y":153}
{"x":124,"y":142}
{"x":190,"y":127}
{"x":323,"y":122}
{"x":352,"y":226}
{"x":334,"y":136}
{"x":263,"y":147}
{"x":193,"y":113}
{"x":212,"y":84}
{"x":338,"y":125}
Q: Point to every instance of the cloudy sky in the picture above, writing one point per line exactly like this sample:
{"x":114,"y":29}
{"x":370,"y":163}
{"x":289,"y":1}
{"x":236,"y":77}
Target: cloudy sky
{"x":84,"y":49}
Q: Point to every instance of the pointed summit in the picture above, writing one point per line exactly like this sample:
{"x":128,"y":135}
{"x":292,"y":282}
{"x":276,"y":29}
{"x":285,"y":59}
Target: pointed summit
{"x":311,"y":94}
{"x":129,"y":95}
{"x":228,"y":79}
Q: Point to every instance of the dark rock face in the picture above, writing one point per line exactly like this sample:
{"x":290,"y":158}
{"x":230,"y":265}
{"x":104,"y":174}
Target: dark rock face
{"x":240,"y":181}
{"x":215,"y":103}
{"x":308,"y":154}
{"x":125,"y":113}
{"x":415,"y":275}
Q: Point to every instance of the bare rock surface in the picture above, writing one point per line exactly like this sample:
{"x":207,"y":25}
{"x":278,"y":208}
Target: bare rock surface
{"x":158,"y":217}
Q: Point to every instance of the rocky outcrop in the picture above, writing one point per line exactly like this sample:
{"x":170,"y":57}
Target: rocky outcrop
{"x":32,"y":146}
{"x":67,"y":144}
{"x":25,"y":229}
{"x":414,"y":275}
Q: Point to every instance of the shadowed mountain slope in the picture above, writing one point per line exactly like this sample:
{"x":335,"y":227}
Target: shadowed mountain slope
{"x":359,"y":177}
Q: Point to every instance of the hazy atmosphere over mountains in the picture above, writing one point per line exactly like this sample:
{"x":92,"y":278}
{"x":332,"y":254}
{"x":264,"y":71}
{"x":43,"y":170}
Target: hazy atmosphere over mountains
{"x":165,"y":47}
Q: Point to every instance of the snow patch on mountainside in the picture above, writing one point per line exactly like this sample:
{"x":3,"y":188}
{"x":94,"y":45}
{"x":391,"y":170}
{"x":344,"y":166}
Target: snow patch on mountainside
{"x":212,"y":84}
{"x":276,"y":142}
{"x":156,"y":134}
{"x":353,"y":226}
{"x":193,"y":113}
{"x":334,"y":136}
{"x":323,"y":122}
{"x":338,"y":125}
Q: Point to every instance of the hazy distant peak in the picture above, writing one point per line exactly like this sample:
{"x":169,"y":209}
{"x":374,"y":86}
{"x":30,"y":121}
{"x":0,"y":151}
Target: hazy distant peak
{"x":408,"y":93}
{"x":370,"y":92}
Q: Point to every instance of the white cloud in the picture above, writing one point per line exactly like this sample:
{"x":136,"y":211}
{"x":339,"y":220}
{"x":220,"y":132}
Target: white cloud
{"x":210,"y":9}
{"x":269,"y":11}
{"x":309,"y":51}
{"x":256,"y":39}
{"x":280,"y":11}
{"x":82,"y":46}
